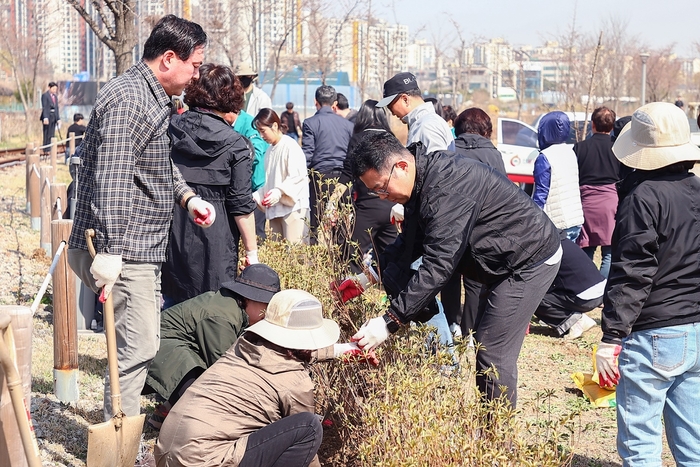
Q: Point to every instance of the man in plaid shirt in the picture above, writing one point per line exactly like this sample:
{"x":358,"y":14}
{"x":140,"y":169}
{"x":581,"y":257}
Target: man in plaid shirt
{"x":127,"y":189}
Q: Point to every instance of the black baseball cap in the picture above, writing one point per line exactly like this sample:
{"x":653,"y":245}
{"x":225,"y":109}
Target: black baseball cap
{"x":258,"y":282}
{"x":398,"y":84}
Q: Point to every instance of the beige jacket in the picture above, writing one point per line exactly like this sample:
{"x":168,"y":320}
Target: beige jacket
{"x":249,"y":387}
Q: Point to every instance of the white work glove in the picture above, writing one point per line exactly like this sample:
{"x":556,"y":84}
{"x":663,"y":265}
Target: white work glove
{"x":251,"y":257}
{"x":343,"y":348}
{"x":258,"y":201}
{"x":371,"y":334}
{"x":105,"y":270}
{"x":202,"y":212}
{"x":46,"y":121}
{"x":606,"y":364}
{"x":397,"y":215}
{"x":272,"y":197}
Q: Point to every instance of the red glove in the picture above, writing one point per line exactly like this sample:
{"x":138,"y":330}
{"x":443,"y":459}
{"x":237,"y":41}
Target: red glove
{"x":606,"y":364}
{"x":351,"y":352}
{"x":346,"y":290}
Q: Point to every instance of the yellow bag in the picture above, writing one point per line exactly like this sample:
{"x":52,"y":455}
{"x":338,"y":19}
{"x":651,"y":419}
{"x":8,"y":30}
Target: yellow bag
{"x":589,"y":384}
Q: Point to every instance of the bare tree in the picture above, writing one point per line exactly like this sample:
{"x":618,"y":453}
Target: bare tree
{"x":663,"y":74}
{"x":114,"y":23}
{"x":22,"y":50}
{"x":614,"y":63}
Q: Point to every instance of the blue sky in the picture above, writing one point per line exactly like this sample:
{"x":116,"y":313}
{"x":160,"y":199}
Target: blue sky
{"x":656,"y":23}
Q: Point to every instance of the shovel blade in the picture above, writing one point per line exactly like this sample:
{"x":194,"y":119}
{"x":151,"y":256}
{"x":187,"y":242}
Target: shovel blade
{"x":112,"y":445}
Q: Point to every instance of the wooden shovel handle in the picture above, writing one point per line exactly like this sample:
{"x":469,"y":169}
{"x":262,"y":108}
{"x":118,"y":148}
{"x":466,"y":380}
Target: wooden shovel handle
{"x":111,"y":336}
{"x":14,"y":386}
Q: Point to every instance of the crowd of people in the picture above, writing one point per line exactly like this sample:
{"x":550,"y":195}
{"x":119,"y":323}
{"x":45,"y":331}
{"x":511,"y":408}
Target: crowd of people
{"x":172,"y":195}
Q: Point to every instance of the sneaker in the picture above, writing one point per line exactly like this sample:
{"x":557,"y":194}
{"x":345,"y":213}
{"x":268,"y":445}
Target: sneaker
{"x":579,"y":327}
{"x":155,"y":421}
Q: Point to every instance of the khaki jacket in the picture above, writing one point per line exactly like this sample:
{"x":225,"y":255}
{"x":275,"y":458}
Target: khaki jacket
{"x":249,"y":387}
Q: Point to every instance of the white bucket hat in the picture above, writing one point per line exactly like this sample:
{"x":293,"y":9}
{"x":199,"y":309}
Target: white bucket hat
{"x":294,"y":320}
{"x":657,"y":136}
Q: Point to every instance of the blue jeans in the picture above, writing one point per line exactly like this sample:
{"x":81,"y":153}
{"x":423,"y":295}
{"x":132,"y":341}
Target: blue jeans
{"x":606,"y":253}
{"x":659,"y":376}
{"x":572,"y":233}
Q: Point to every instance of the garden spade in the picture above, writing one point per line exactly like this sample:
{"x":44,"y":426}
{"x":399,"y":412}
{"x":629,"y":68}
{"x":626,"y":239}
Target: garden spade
{"x":114,"y":443}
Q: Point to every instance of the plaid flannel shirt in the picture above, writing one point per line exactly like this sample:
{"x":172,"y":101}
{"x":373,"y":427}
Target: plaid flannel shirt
{"x":127,"y":183}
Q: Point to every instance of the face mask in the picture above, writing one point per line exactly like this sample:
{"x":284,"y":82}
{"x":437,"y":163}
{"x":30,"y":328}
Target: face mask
{"x":245,"y":81}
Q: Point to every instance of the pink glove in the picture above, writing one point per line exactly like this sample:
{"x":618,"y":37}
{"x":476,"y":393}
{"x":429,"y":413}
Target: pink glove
{"x":606,"y":364}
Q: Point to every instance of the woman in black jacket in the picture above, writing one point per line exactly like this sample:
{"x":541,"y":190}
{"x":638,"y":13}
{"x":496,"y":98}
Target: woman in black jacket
{"x":651,"y":313}
{"x":216,"y":162}
{"x":473,"y":128}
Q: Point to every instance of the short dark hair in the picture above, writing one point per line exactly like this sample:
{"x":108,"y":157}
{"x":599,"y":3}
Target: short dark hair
{"x":326,"y":95}
{"x":52,"y":84}
{"x":266,"y":117}
{"x":343,"y":103}
{"x":217,"y":88}
{"x":474,"y":120}
{"x":371,"y":116}
{"x":604,"y":119}
{"x":289,"y":105}
{"x":77,"y":117}
{"x":448,"y":113}
{"x":176,"y":34}
{"x":437,"y":105}
{"x":375,"y":151}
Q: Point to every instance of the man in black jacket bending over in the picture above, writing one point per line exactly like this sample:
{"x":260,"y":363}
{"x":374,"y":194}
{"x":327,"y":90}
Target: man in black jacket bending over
{"x":460,"y":215}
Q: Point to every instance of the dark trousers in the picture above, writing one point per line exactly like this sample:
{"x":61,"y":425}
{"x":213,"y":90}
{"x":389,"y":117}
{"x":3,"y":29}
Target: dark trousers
{"x":49,"y":132}
{"x":451,"y":296}
{"x":500,"y":328}
{"x":372,"y":216}
{"x":290,"y":442}
{"x":320,"y":190}
{"x":260,"y":225}
{"x":561,"y":311}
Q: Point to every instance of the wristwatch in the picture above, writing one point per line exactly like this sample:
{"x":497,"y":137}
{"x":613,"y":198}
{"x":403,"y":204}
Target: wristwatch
{"x":391,"y":325}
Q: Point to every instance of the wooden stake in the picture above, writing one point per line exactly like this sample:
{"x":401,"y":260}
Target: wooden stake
{"x":54,"y":153}
{"x":33,"y":190}
{"x":65,"y":323}
{"x":59,"y":201}
{"x":46,"y":173}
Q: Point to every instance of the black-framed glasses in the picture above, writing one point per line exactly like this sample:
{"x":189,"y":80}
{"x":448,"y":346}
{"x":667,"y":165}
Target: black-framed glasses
{"x":384,"y":190}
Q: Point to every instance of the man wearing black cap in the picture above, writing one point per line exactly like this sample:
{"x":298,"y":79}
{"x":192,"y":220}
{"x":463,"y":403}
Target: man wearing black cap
{"x":402,"y":97}
{"x":49,"y":114}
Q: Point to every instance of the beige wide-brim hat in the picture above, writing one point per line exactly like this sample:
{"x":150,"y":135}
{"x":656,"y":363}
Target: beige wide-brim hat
{"x":294,"y":320}
{"x":657,"y":136}
{"x":244,"y":69}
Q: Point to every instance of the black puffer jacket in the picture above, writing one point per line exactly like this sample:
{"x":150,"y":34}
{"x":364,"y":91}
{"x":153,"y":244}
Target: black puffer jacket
{"x":480,"y":149}
{"x":463,"y":216}
{"x":654,"y":279}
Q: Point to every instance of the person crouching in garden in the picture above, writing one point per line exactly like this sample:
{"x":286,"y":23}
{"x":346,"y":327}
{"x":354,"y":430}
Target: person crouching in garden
{"x":255,"y":406}
{"x":197,"y":332}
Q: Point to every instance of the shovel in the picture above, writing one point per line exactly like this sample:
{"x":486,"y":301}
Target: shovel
{"x":14,"y":386}
{"x":114,"y":443}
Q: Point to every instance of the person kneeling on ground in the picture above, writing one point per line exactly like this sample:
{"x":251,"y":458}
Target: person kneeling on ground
{"x":577,"y":289}
{"x":197,"y":332}
{"x":255,"y":406}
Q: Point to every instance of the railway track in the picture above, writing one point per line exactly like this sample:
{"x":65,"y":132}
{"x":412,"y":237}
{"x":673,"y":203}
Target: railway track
{"x":14,"y":156}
